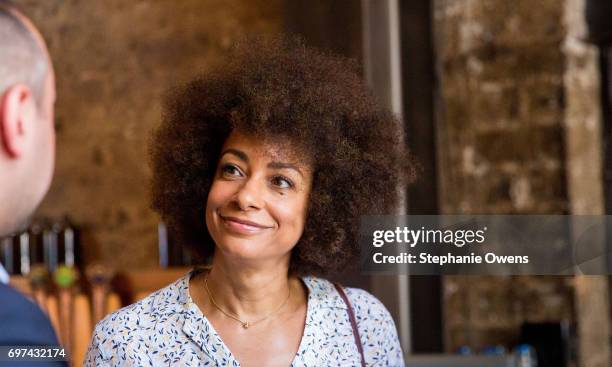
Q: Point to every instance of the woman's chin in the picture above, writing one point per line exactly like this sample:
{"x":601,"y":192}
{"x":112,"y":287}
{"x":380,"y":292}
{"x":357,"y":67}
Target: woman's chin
{"x":241,"y":249}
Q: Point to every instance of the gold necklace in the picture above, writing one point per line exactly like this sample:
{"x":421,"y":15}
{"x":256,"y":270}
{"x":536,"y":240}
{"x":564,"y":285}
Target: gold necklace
{"x":245,"y":324}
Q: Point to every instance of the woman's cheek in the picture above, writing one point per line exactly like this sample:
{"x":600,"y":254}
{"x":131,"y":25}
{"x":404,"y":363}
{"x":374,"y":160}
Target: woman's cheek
{"x":220,"y":193}
{"x":293,"y":214}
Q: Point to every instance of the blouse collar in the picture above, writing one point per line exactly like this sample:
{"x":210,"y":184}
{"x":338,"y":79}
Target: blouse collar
{"x":321,"y":292}
{"x":321,"y":295}
{"x":176,"y":301}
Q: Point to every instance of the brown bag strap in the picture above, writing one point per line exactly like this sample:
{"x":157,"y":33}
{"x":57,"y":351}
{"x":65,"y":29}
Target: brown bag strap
{"x":353,"y":321}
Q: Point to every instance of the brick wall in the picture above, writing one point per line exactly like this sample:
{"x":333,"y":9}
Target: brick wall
{"x":113,"y":60}
{"x":501,"y":67}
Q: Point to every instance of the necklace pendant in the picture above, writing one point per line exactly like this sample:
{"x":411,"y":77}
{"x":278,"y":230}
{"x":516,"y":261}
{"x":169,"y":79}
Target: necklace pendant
{"x":245,"y":325}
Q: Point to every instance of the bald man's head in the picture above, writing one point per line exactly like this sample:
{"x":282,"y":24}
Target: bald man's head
{"x":27,"y":134}
{"x":23,"y":58}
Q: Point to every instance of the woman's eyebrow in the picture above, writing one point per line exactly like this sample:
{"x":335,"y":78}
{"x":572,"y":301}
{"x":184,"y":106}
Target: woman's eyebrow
{"x":281,"y":165}
{"x":238,"y":153}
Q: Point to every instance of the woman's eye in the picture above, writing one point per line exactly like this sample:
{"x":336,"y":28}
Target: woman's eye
{"x":230,"y":170}
{"x":282,"y":182}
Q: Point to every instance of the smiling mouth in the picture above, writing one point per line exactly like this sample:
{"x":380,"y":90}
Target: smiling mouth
{"x":242,"y":226}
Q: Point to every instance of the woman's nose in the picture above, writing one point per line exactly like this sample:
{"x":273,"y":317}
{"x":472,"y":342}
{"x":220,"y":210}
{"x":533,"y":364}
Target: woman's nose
{"x":250,"y":195}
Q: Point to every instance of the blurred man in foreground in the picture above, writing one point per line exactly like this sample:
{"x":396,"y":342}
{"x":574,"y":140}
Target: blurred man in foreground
{"x":27,"y":154}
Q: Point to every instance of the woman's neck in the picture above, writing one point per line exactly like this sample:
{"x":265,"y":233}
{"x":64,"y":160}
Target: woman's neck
{"x":247,"y":290}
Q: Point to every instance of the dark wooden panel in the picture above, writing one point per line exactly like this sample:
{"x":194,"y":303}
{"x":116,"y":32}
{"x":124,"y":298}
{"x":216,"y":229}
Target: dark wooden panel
{"x":333,"y":25}
{"x":418,"y":81}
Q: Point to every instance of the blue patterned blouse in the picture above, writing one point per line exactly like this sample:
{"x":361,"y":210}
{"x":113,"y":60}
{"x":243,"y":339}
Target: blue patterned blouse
{"x":168,"y":329}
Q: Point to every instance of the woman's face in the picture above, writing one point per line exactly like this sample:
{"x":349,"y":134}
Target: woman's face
{"x":257,"y":204}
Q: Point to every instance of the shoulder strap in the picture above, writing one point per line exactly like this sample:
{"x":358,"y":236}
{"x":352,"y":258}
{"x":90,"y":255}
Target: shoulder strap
{"x":353,"y":321}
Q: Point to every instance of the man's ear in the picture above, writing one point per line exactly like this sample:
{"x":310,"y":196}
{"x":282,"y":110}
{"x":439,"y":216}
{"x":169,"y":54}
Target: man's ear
{"x":15,"y":109}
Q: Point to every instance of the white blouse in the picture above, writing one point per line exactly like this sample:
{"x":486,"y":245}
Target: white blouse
{"x":168,"y":329}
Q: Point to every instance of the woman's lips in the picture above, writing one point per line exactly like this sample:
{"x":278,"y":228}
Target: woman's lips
{"x":242,"y":225}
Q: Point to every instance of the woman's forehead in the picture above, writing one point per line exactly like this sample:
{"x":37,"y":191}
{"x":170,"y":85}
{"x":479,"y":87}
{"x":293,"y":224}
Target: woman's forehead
{"x":274,"y":148}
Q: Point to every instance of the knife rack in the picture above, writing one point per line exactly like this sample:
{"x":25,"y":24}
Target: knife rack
{"x":73,"y":312}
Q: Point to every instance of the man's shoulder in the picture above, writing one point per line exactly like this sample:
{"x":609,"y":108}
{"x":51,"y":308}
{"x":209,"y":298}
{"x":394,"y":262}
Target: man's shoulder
{"x":16,"y":306}
{"x":23,"y":322}
{"x":12,"y":299}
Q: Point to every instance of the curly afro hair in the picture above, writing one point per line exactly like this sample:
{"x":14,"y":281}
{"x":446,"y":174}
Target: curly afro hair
{"x":280,"y":88}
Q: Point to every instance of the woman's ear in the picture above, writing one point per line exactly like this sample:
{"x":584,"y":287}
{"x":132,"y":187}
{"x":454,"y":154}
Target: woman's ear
{"x":16,"y":111}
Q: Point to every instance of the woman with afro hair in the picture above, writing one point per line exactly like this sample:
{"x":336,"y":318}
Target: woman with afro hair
{"x":264,"y":167}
